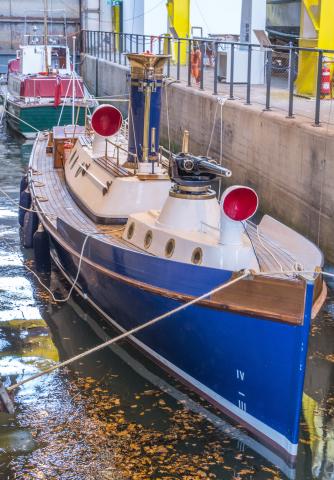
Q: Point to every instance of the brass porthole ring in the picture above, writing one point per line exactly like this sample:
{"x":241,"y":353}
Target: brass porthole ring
{"x":148,"y":239}
{"x":170,"y":247}
{"x":131,"y":230}
{"x":197,"y":256}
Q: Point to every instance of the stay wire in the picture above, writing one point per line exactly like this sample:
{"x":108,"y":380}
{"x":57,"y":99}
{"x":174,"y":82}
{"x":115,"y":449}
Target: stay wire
{"x":323,"y":173}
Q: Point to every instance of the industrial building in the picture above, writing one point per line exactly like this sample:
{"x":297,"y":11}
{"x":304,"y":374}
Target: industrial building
{"x":15,"y":15}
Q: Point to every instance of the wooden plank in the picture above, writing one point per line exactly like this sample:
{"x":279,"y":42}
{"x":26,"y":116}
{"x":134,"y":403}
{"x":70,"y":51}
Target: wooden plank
{"x":61,"y":204}
{"x":267,"y":297}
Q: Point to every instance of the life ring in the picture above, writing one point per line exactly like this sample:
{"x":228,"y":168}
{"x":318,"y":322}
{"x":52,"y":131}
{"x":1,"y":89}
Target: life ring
{"x":196,"y":57}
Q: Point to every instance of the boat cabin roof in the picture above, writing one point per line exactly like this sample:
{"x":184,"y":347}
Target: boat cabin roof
{"x":32,"y":59}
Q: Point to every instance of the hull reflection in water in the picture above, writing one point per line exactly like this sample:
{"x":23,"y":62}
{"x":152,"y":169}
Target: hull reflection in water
{"x":318,"y":399}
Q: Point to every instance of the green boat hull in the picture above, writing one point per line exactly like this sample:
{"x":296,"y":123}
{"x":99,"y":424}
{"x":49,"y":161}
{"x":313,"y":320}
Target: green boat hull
{"x":27,"y":120}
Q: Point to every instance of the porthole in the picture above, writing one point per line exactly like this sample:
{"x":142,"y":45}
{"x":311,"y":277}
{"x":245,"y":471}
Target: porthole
{"x":131,"y":230}
{"x":197,"y":256}
{"x":148,"y":239}
{"x":170,"y":247}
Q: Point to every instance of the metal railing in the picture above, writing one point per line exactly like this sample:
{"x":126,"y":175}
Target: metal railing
{"x":255,"y":74}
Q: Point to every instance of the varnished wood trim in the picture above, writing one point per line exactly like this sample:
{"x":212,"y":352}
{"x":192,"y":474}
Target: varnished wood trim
{"x":319,"y":300}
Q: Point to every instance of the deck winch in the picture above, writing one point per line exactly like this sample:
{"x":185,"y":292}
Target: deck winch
{"x":145,"y":107}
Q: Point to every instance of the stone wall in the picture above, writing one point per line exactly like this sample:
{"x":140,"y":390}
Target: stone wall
{"x":104,"y":79}
{"x":287,"y":161}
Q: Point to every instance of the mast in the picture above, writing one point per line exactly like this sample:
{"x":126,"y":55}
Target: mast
{"x":46,"y":35}
{"x":73,"y":79}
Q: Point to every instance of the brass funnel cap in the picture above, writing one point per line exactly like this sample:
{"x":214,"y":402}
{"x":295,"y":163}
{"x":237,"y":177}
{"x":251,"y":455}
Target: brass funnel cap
{"x":147,"y":65}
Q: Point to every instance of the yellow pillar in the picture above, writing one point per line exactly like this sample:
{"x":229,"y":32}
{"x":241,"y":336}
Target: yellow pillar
{"x":316,"y":31}
{"x":116,"y":21}
{"x":179,"y":24}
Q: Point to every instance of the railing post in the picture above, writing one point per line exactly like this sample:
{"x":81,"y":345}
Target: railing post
{"x":114,"y":45}
{"x":202,"y":48}
{"x":318,"y":95}
{"x":109,"y":46}
{"x":168,"y":51}
{"x":249,"y":75}
{"x":137,"y":43}
{"x":232,"y":73}
{"x":82,"y":41}
{"x":159,"y":44}
{"x":292,"y":63}
{"x":189,"y":62}
{"x":124,"y":49}
{"x":120,"y":48}
{"x":215,"y":79}
{"x":178,"y":60}
{"x":131,"y":35}
{"x":268,"y":77}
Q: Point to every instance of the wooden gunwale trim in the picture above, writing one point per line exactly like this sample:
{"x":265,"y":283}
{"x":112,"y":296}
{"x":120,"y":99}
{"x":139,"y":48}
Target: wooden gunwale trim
{"x":319,"y":299}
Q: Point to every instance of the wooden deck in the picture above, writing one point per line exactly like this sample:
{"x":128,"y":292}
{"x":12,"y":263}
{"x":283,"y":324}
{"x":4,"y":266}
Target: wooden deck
{"x":267,"y":295}
{"x":54,"y":200}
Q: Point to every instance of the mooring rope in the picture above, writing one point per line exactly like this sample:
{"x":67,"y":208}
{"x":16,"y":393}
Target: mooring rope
{"x":14,"y":202}
{"x":131,"y":332}
{"x":63,"y":104}
{"x":56,"y":300}
{"x":23,"y":121}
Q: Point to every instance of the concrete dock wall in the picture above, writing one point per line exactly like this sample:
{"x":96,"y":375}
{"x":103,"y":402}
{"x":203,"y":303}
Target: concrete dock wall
{"x":287,"y":161}
{"x":105,"y":78}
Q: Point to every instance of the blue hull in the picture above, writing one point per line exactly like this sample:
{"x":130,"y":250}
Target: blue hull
{"x":251,"y":368}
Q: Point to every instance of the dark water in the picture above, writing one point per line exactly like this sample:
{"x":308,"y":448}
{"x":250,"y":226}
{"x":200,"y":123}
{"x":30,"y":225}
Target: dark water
{"x":115,"y":415}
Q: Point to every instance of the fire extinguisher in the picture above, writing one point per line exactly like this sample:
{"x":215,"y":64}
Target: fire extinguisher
{"x":325,"y":80}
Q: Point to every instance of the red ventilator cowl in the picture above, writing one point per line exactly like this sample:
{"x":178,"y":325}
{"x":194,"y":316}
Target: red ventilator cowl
{"x":106,"y":120}
{"x":239,"y":203}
